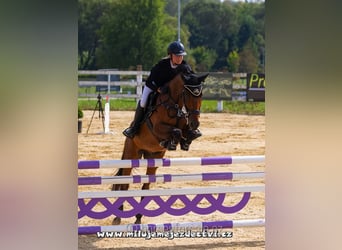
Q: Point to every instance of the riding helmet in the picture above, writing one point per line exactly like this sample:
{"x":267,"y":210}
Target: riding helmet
{"x":176,"y":48}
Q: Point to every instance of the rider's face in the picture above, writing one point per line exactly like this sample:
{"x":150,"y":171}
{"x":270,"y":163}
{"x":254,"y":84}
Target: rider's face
{"x":176,"y":59}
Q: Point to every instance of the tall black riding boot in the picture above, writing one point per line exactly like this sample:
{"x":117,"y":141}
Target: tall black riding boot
{"x":138,"y":117}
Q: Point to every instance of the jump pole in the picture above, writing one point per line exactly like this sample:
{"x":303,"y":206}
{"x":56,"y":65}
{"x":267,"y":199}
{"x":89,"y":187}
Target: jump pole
{"x":163,"y":178}
{"x":167,"y":162}
{"x":168,"y":192}
{"x":178,"y":226}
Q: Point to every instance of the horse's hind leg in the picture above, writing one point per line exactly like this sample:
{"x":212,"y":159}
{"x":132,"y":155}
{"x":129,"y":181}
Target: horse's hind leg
{"x":130,"y":152}
{"x":118,"y":187}
{"x":146,"y":186}
{"x":149,"y":171}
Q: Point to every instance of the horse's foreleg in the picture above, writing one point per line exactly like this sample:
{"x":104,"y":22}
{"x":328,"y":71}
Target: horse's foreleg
{"x":176,"y":137}
{"x":190,"y":135}
{"x":170,"y":135}
{"x":185,"y":144}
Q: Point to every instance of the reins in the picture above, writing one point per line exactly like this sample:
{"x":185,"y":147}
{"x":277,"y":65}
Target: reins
{"x":181,"y":110}
{"x":176,"y":109}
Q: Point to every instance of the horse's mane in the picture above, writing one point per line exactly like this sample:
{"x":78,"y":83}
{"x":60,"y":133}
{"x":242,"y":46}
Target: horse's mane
{"x":191,"y":81}
{"x":168,"y":86}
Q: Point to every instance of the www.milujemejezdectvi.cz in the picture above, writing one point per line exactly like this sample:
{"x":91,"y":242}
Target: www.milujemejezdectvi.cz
{"x":147,"y":235}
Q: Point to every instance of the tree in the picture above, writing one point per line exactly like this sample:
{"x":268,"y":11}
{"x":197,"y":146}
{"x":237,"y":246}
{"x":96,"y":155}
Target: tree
{"x":248,"y":60}
{"x":251,"y":36}
{"x":204,"y":57}
{"x":233,"y":61}
{"x":125,"y":33}
{"x":133,"y":33}
{"x":89,"y":15}
{"x":212,"y":25}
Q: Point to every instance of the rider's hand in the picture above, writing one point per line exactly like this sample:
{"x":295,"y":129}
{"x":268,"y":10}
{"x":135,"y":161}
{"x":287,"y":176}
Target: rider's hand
{"x":184,"y":68}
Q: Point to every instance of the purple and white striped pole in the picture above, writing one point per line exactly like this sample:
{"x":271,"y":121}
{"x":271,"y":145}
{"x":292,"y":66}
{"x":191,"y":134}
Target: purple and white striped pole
{"x":167,"y":162}
{"x":162,"y":178}
{"x":180,"y":226}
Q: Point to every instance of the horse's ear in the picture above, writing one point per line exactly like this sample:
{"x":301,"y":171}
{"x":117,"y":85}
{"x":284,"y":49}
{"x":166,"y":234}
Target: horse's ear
{"x":202,"y":77}
{"x":186,"y":78}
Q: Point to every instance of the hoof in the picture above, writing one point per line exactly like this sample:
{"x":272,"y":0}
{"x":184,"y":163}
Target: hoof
{"x":193,"y":134}
{"x":163,"y":144}
{"x":172,"y":146}
{"x":168,"y":145}
{"x":138,"y":221}
{"x":116,"y":221}
{"x":185,"y":146}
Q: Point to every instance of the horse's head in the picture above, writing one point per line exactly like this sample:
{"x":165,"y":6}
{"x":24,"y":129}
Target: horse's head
{"x":192,"y":97}
{"x":185,"y":91}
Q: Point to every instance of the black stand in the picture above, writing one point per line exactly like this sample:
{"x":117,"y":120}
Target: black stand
{"x":100,"y":109}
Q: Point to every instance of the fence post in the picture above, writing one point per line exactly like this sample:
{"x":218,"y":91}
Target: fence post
{"x":219,"y":106}
{"x":139,"y":82}
{"x":108,"y":91}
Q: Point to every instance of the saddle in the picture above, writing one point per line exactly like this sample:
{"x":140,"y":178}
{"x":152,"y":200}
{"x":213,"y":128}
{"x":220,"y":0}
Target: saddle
{"x":151,"y":104}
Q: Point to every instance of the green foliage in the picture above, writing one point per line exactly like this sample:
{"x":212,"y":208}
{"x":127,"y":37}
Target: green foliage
{"x":204,"y":58}
{"x":89,"y":15}
{"x":115,"y":104}
{"x":251,"y":37}
{"x":125,"y":33}
{"x":248,"y":59}
{"x":201,"y":17}
{"x":133,"y":33}
{"x":233,"y":61}
{"x":80,"y":113}
{"x":226,"y":27}
{"x":208,"y":106}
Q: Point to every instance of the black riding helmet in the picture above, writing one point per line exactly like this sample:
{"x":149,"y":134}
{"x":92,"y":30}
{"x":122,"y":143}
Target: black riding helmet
{"x":176,"y":48}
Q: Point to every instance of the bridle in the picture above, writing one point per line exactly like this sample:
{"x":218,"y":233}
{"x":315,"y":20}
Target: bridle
{"x":179,"y":105}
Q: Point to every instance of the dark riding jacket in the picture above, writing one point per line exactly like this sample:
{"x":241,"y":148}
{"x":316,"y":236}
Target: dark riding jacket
{"x":162,"y":73}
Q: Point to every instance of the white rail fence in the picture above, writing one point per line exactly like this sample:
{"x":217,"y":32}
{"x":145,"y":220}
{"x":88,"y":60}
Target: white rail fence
{"x":109,"y":80}
{"x":137,"y":82}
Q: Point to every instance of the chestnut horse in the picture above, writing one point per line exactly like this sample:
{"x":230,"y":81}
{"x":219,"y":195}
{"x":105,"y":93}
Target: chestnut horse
{"x":170,"y":121}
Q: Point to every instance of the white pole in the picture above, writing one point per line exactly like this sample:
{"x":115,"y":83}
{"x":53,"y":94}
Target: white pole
{"x":179,"y":20}
{"x":169,"y":192}
{"x":219,"y":106}
{"x":139,"y":83}
{"x":108,"y":90}
{"x":106,"y":116}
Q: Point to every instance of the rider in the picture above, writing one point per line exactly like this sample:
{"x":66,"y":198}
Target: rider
{"x":164,"y":71}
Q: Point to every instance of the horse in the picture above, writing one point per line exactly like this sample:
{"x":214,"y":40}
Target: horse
{"x":171,"y":118}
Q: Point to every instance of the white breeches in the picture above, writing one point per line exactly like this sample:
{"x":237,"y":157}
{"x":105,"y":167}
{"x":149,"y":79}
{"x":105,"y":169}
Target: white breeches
{"x":144,"y":97}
